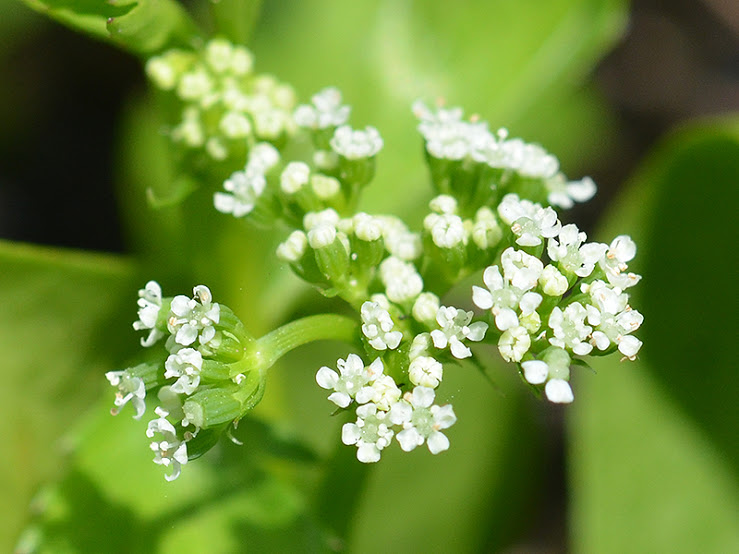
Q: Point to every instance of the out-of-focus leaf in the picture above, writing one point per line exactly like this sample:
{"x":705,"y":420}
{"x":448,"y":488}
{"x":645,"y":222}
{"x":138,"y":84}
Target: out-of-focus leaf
{"x":235,"y":19}
{"x":60,"y":328}
{"x":654,"y":450}
{"x":507,"y":61}
{"x":142,"y":26}
{"x":228,"y":501}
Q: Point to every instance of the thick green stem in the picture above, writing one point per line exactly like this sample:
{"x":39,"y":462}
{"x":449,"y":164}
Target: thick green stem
{"x":274,"y":345}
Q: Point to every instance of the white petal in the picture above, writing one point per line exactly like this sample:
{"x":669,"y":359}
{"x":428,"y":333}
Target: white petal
{"x":327,"y":378}
{"x":535,"y":371}
{"x":559,"y":391}
{"x":437,"y":442}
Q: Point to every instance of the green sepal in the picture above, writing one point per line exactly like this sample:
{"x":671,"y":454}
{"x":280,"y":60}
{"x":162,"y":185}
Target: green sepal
{"x":203,"y":441}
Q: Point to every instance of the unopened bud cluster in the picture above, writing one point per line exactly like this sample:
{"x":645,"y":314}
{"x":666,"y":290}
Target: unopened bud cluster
{"x":223,"y":106}
{"x":200,"y":374}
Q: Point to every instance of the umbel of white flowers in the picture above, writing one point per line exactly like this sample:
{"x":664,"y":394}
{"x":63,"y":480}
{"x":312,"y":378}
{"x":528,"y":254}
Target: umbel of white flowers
{"x":544,"y":295}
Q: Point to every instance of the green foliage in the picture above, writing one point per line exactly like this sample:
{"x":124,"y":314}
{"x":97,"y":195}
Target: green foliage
{"x":653,"y":452}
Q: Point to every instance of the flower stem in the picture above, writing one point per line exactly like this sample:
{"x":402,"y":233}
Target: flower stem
{"x":272,"y":346}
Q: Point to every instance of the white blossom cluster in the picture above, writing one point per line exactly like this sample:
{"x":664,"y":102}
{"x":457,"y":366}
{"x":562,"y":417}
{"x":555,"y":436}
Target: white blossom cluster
{"x":190,"y":327}
{"x":576,"y":303}
{"x":449,"y":137}
{"x":244,"y":188}
{"x":226,"y":107}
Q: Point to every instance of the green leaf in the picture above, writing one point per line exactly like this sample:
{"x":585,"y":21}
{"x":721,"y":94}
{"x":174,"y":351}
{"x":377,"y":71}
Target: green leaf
{"x":60,"y":329}
{"x":235,"y":19}
{"x":141,"y":26}
{"x":514,"y":63}
{"x":654,"y":450}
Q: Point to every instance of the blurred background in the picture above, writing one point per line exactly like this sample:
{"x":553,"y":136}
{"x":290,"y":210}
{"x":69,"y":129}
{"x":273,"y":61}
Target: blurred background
{"x":558,"y":480}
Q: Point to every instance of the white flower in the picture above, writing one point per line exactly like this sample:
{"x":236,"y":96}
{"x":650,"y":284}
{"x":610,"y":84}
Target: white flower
{"x":552,"y":282}
{"x":401,"y":280}
{"x":572,"y":253}
{"x":314,"y":219}
{"x":263,"y":157}
{"x":186,"y":365}
{"x":377,"y":326}
{"x":455,"y":327}
{"x":503,"y":299}
{"x":399,"y":240}
{"x":425,"y":307}
{"x":325,"y":112}
{"x":564,"y":194}
{"x":356,"y":144}
{"x":535,"y":371}
{"x":194,"y":319}
{"x":321,"y":236}
{"x":293,"y":248}
{"x":245,"y":188}
{"x":130,"y":389}
{"x":294,"y":177}
{"x":352,"y":377}
{"x":425,"y":371}
{"x":558,"y":391}
{"x":531,"y":230}
{"x":443,"y":204}
{"x":521,"y":269}
{"x":370,"y":433}
{"x":367,"y":227}
{"x":570,"y":329}
{"x":383,"y":392}
{"x":514,"y":343}
{"x":170,"y":450}
{"x":446,"y":230}
{"x":422,"y":421}
{"x":485,"y":231}
{"x":512,"y":208}
{"x":621,"y":250}
{"x":150,"y":304}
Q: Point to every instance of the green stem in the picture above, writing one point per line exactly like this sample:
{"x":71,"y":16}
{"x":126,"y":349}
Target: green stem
{"x":272,"y":346}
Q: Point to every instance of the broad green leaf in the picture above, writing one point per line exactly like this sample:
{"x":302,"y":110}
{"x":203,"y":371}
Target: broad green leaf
{"x":514,"y":63}
{"x":61,"y":326}
{"x":654,"y":450}
{"x":141,"y":26}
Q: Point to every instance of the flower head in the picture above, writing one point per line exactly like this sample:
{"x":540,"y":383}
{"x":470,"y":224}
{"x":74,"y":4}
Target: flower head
{"x":194,"y":318}
{"x":370,"y":433}
{"x":455,"y":327}
{"x":170,"y":451}
{"x":422,"y":421}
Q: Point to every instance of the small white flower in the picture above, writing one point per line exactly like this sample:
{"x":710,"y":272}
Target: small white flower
{"x":352,"y":377}
{"x":572,"y":253}
{"x":192,"y":319}
{"x":455,"y":327}
{"x":367,"y":227}
{"x":446,"y":230}
{"x":503,"y":299}
{"x":370,"y":433}
{"x":356,"y":144}
{"x":383,"y":392}
{"x":150,"y":304}
{"x":325,"y":112}
{"x":535,"y":371}
{"x":514,"y":343}
{"x":552,"y":282}
{"x":321,"y":236}
{"x":401,"y":280}
{"x":422,"y":421}
{"x":194,"y":85}
{"x":293,"y":248}
{"x":559,"y":391}
{"x":314,"y":219}
{"x":170,"y":450}
{"x":130,"y":389}
{"x":294,"y":177}
{"x":614,"y":263}
{"x":521,"y":269}
{"x":420,"y":346}
{"x":377,"y":326}
{"x":399,"y":240}
{"x":443,"y":204}
{"x":185,"y":365}
{"x":569,"y":328}
{"x":531,"y":230}
{"x":263,"y":157}
{"x":564,"y":194}
{"x":426,"y":307}
{"x":243,"y":191}
{"x":425,"y":371}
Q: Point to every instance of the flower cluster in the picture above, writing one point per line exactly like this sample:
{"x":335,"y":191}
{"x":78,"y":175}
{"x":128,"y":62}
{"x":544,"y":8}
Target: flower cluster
{"x":200,"y":377}
{"x":548,"y":298}
{"x":225,"y":106}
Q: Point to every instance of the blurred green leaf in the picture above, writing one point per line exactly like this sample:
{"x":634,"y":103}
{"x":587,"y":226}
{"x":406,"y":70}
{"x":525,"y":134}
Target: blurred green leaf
{"x":60,"y":328}
{"x":235,"y":19}
{"x":654,"y":450}
{"x":142,"y":26}
{"x":511,"y":62}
